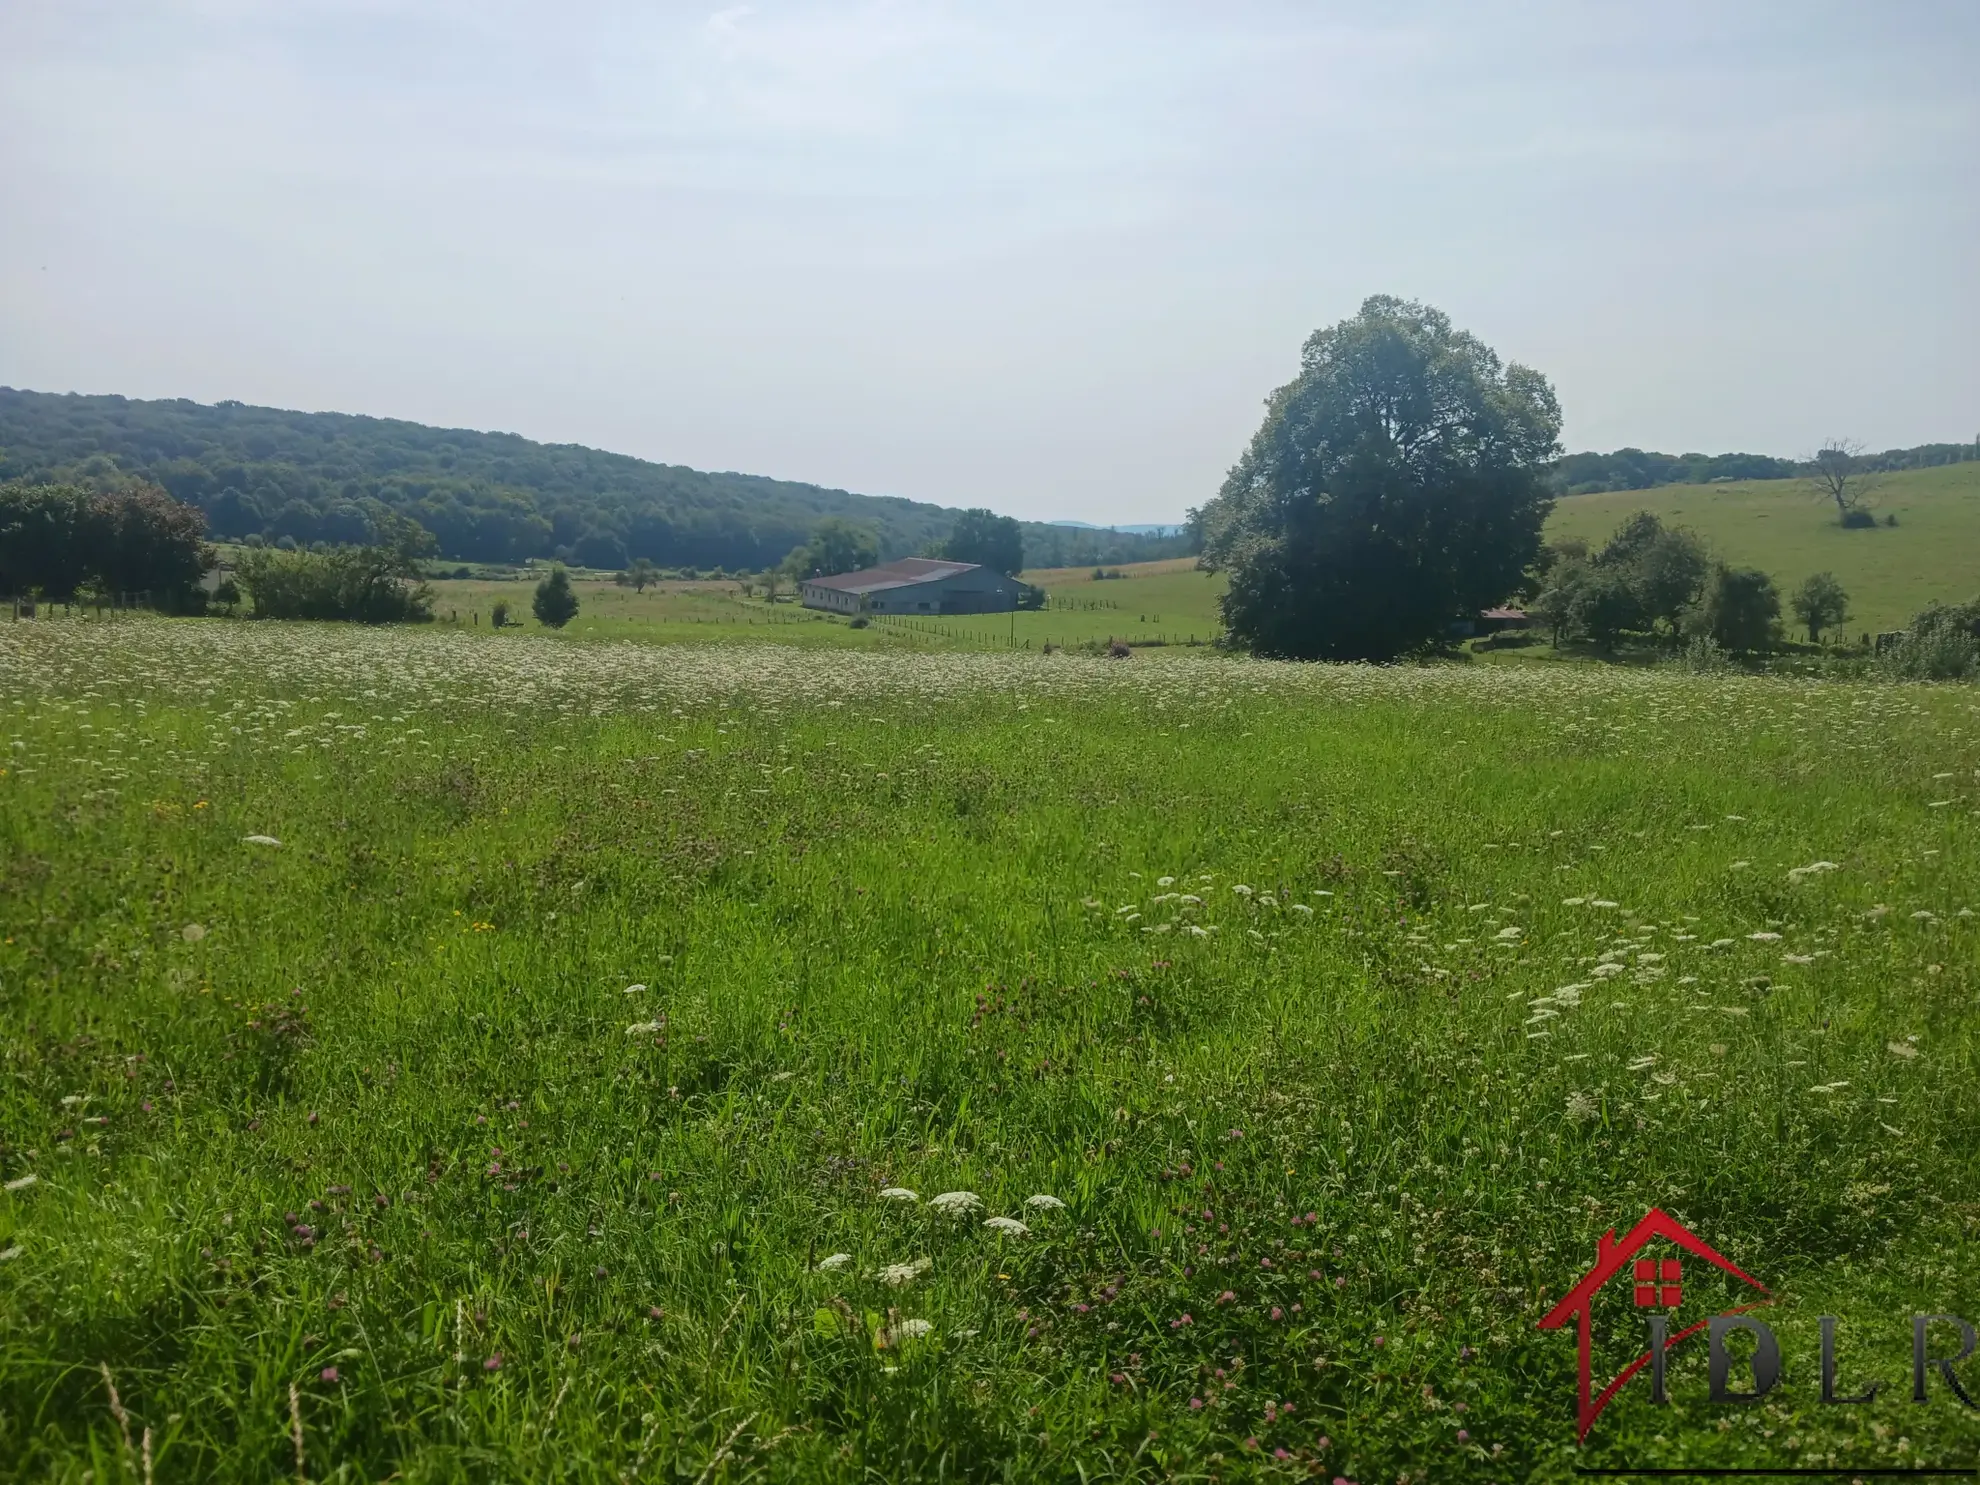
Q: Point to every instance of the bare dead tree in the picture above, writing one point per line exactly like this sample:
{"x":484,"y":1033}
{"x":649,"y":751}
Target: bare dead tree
{"x":1840,"y":474}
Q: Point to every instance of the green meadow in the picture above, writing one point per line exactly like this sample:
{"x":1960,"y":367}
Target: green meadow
{"x":1786,"y":530}
{"x":433,"y":1055}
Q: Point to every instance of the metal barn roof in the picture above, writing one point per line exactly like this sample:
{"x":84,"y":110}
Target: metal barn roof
{"x":902,"y":574}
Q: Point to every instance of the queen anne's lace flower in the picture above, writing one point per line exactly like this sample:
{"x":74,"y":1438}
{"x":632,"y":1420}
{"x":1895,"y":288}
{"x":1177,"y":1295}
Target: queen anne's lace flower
{"x":898,"y":1193}
{"x":898,"y":1274}
{"x":1008,"y":1225}
{"x":1044,"y":1202}
{"x":833,"y":1263}
{"x":956,"y":1203}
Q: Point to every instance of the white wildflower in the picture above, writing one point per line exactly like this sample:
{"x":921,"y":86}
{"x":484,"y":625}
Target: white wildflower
{"x":898,"y":1274}
{"x":1830,"y":1087}
{"x":643,"y":1028}
{"x":21,"y":1183}
{"x":910,"y":1330}
{"x":1241,"y":890}
{"x":1007,"y":1225}
{"x":1573,"y":901}
{"x":10,"y":1254}
{"x":192,"y":933}
{"x":898,"y":1193}
{"x":1602,"y":902}
{"x":1165,"y":881}
{"x":259,"y":840}
{"x":1901,"y":1049}
{"x":834,"y":1262}
{"x":956,"y":1203}
{"x":1044,"y":1203}
{"x":633,"y":989}
{"x":1764,"y":937}
{"x":1797,"y":958}
{"x":1813,"y":869}
{"x":1509,"y":933}
{"x":1648,"y":1060}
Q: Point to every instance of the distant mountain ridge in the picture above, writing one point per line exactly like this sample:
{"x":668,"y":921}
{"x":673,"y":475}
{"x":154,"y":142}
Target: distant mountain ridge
{"x":1639,"y":469}
{"x":487,"y":497}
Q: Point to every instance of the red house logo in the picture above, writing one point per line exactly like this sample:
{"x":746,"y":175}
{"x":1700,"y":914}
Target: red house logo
{"x":1656,"y":1284}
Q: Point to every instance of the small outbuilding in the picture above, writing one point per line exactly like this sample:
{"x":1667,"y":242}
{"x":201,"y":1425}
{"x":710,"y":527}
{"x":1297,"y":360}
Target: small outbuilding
{"x":913,"y":585}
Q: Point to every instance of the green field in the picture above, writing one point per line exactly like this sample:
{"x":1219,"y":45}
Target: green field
{"x":1780,"y":526}
{"x":1167,"y":603}
{"x":528,"y":1111}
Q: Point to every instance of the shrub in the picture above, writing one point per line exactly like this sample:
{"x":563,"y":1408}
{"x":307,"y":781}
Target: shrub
{"x":1741,"y":609}
{"x":859,"y":623}
{"x":1858,"y":520}
{"x":365,"y":585}
{"x":1943,"y":644}
{"x":499,"y":615}
{"x":555,"y":605}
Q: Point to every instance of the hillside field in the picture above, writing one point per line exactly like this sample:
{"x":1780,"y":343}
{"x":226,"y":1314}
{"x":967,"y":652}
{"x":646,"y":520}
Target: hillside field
{"x":439,"y":1056}
{"x":1781,"y":527}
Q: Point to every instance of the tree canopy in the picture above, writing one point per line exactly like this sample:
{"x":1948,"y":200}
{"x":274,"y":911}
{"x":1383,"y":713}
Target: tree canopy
{"x":984,"y":537}
{"x":60,"y":539}
{"x":1397,"y":485}
{"x":487,"y":497}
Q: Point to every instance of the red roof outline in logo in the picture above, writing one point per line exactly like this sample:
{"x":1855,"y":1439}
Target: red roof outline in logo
{"x":1611,"y":1257}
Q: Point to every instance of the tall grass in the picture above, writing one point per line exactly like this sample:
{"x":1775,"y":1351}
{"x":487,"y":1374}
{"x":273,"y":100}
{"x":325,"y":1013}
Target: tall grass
{"x":508,"y":1118}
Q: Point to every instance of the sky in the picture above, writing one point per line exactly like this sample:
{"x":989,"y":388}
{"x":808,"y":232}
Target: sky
{"x":1046,"y":257}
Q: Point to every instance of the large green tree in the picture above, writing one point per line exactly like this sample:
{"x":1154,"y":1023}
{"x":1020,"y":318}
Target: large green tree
{"x":836,"y":546}
{"x":984,"y":537}
{"x":1396,"y":486}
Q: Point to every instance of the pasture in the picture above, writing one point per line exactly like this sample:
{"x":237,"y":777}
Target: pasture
{"x":438,"y":1056}
{"x":1783,"y":528}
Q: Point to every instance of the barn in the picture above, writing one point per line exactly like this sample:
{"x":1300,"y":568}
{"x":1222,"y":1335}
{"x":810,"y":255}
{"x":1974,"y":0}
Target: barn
{"x":913,"y":585}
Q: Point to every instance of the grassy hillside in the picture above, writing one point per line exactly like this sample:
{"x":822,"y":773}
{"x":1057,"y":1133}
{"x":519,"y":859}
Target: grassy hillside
{"x":438,"y":1057}
{"x":1781,"y":527}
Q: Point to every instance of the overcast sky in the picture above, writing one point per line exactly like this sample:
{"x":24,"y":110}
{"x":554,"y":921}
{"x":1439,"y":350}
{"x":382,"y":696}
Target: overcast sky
{"x":1047,"y":257}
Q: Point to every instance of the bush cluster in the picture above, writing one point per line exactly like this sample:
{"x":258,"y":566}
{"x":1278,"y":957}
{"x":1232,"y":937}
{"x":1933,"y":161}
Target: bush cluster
{"x":61,"y":542}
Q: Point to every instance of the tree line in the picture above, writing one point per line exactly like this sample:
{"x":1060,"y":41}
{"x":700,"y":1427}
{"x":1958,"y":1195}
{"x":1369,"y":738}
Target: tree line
{"x":296,"y":479}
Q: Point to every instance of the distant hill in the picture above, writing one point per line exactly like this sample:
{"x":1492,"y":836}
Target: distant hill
{"x":1638,"y":469}
{"x":1784,"y":528}
{"x":1145,"y":530}
{"x":488,"y":497}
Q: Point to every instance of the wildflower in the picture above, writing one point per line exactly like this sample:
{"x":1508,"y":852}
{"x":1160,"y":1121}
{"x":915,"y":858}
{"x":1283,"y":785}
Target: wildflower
{"x":898,"y":1193}
{"x":1581,"y":1107}
{"x":10,"y":1254}
{"x":1009,"y":1226}
{"x":1573,"y":901}
{"x":1897,"y":1049}
{"x":329,"y":1374}
{"x":898,"y":1274}
{"x":1813,"y":869}
{"x":1048,"y":1203}
{"x":1277,"y":1313}
{"x":1226,"y":1297}
{"x":633,"y":989}
{"x":493,"y":1363}
{"x":832,"y":1263}
{"x":1764,"y":937}
{"x":21,"y":1183}
{"x":259,"y":840}
{"x":1464,"y":1436}
{"x":1196,"y":1404}
{"x":956,"y":1203}
{"x":909,"y":1330}
{"x":643,"y":1028}
{"x":192,"y":933}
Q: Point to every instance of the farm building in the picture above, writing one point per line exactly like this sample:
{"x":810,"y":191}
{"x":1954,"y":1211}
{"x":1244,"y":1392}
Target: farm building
{"x":913,"y":585}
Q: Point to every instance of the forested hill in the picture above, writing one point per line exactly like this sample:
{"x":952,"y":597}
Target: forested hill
{"x":488,"y":497}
